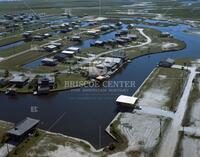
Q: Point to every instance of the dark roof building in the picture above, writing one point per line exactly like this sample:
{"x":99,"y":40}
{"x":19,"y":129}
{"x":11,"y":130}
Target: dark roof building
{"x":23,"y":129}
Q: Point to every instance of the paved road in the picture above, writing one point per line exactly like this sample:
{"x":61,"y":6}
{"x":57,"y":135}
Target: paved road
{"x":169,"y":141}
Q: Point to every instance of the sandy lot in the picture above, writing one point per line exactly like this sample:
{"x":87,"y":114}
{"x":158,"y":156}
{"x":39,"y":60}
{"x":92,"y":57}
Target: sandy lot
{"x":190,"y":147}
{"x":142,"y":131}
{"x":46,"y":147}
{"x":154,"y":97}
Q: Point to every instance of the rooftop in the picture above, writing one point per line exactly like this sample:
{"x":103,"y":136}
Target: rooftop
{"x":126,"y":100}
{"x":23,"y":126}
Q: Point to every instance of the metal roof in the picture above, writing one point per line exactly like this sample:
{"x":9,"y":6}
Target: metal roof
{"x":23,"y":126}
{"x":126,"y":100}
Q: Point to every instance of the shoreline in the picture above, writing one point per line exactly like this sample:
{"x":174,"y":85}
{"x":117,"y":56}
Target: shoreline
{"x":132,"y":59}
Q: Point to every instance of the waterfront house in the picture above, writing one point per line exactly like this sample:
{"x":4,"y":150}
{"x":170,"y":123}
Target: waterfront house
{"x":121,"y":55}
{"x":117,"y":61}
{"x":19,"y":80}
{"x":93,"y":32}
{"x":45,"y":83}
{"x":68,"y":53}
{"x":130,"y":26}
{"x":23,"y":129}
{"x":104,"y":27}
{"x":49,"y":62}
{"x":98,"y":43}
{"x":60,"y":57}
{"x":74,"y":49}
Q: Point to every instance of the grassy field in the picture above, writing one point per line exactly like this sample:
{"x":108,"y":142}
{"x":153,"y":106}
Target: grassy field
{"x":157,"y":47}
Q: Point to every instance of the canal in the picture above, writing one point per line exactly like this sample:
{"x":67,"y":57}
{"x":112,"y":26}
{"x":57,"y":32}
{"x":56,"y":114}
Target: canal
{"x":86,"y":112}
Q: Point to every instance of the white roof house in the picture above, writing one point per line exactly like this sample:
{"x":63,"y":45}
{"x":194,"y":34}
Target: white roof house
{"x":114,"y":60}
{"x":127,"y":100}
{"x":75,"y":49}
{"x":51,"y":47}
{"x":49,"y":60}
{"x":68,"y":52}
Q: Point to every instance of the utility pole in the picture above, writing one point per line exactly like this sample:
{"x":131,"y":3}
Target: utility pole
{"x":99,"y":137}
{"x":100,"y":8}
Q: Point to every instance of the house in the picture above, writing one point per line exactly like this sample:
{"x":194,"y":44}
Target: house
{"x":60,"y":57}
{"x":120,"y":41}
{"x":19,"y":80}
{"x":49,"y":62}
{"x":38,"y":38}
{"x":27,"y":35}
{"x":118,"y":61}
{"x":93,"y":32}
{"x":68,"y":53}
{"x":168,"y":63}
{"x":124,"y":32}
{"x":130,"y":26}
{"x":58,"y":45}
{"x":74,"y":49}
{"x":47,"y":35}
{"x":121,"y":55}
{"x":104,"y":27}
{"x":132,"y":36}
{"x":76,"y":38}
{"x":23,"y":129}
{"x":45,"y":83}
{"x":98,"y":43}
{"x":165,"y":34}
{"x":50,"y":48}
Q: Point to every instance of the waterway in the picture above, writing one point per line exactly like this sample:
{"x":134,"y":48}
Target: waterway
{"x":86,"y":112}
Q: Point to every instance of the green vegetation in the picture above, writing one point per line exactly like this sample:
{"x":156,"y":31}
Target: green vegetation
{"x":155,"y":48}
{"x":4,"y":126}
{"x":63,"y":81}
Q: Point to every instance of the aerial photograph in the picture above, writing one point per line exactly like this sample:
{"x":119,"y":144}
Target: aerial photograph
{"x":99,"y":78}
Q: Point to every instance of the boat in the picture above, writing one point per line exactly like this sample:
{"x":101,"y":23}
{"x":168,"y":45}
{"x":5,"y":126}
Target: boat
{"x":11,"y":91}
